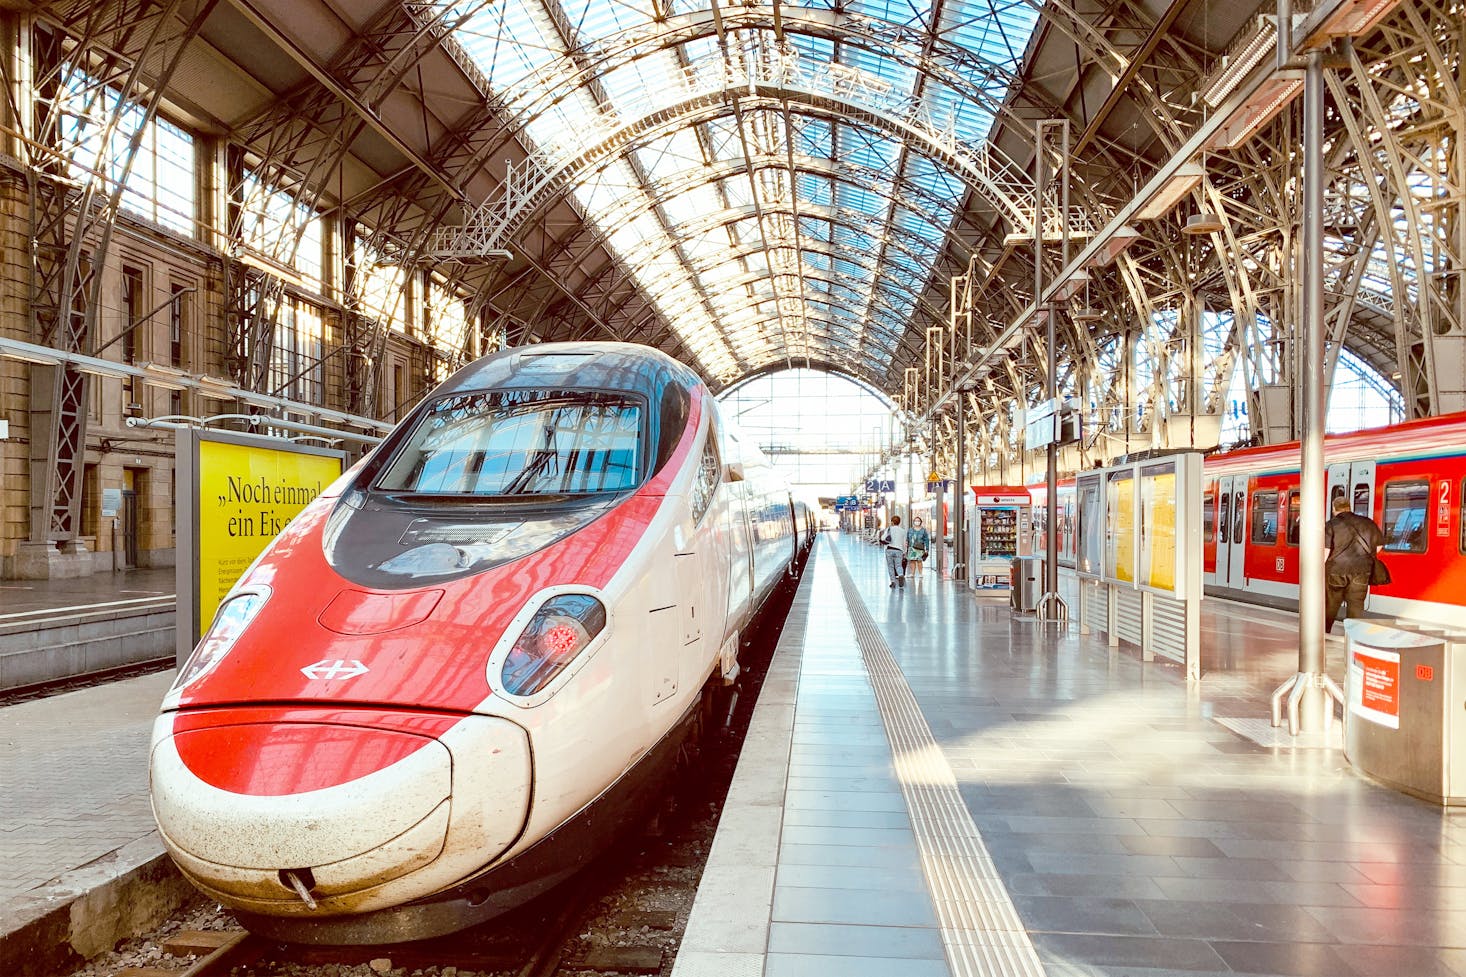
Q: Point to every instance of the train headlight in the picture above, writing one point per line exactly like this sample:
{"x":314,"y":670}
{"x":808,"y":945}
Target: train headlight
{"x":561,"y":629}
{"x":232,"y":618}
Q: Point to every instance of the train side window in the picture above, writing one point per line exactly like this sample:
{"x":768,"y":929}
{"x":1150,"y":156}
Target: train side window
{"x":1405,"y":504}
{"x":1293,"y":519}
{"x":1265,"y":517}
{"x":1237,"y":513}
{"x":1336,"y":492}
{"x":1208,"y":515}
{"x":1224,"y":519}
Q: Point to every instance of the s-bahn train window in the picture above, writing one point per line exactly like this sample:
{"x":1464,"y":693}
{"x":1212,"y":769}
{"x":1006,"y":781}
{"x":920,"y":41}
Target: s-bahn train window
{"x":1209,"y":516}
{"x":1361,"y":500}
{"x":1405,"y":504}
{"x":521,"y":443}
{"x":1224,"y":519}
{"x":1293,"y":518}
{"x":1237,"y":513}
{"x":1265,"y":517}
{"x":1336,"y":492}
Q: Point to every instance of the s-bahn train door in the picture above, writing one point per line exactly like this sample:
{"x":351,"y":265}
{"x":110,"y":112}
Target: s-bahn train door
{"x":1231,"y":519}
{"x":1355,"y":482}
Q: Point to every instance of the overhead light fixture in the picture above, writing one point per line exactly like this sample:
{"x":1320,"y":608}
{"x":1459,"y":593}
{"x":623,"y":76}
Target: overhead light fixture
{"x":1087,"y":313}
{"x":1204,"y":222}
{"x":1163,"y":201}
{"x":1350,"y":18}
{"x":29,"y":354}
{"x":1258,"y":110}
{"x":1114,"y":246}
{"x":163,"y":375}
{"x":1071,"y":286}
{"x":1239,"y":62}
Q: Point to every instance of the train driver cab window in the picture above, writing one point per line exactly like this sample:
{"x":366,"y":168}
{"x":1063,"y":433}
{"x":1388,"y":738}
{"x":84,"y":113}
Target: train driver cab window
{"x":1265,"y":517}
{"x":1405,"y":504}
{"x":518,"y":443}
{"x":1293,"y":518}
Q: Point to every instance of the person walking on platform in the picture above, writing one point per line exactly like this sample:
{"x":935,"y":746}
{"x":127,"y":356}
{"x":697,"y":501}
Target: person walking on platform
{"x":895,"y":540}
{"x":1350,"y":542}
{"x":918,"y":542}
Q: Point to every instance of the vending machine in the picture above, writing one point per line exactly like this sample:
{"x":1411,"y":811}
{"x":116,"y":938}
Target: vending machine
{"x":998,"y":524}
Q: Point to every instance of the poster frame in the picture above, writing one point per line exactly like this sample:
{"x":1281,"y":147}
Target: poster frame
{"x":187,"y":499}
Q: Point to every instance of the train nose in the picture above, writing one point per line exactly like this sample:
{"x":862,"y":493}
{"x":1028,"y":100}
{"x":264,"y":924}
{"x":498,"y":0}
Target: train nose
{"x":351,"y":814}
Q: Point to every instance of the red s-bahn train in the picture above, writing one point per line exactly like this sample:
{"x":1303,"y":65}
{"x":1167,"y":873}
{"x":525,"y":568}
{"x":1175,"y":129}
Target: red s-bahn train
{"x":460,"y":671}
{"x":1410,"y":478}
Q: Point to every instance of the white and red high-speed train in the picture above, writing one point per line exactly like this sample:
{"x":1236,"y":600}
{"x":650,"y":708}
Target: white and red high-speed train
{"x":456,"y":674}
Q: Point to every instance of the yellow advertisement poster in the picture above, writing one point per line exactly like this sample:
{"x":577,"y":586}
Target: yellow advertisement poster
{"x":1161,"y":493}
{"x":1121,"y":516}
{"x":246,"y":495}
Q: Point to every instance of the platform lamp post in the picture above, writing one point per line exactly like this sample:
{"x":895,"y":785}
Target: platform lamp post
{"x":1311,"y":693}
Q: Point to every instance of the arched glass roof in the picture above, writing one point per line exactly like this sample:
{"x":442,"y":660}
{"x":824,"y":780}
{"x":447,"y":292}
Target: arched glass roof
{"x":780,"y":179}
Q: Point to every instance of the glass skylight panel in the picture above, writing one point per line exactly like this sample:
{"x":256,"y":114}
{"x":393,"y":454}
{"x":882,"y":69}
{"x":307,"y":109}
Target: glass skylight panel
{"x":595,"y":19}
{"x":510,"y":40}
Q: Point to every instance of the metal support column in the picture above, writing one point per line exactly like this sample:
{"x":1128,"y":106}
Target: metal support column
{"x":959,"y":491}
{"x":1310,"y":708}
{"x":1051,"y":606}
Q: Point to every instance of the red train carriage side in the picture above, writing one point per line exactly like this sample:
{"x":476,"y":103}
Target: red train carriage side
{"x":1410,"y":478}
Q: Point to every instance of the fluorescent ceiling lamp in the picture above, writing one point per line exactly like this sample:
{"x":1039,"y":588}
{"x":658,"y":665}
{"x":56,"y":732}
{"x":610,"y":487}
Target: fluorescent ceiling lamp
{"x":1071,"y":286}
{"x":1114,"y":246}
{"x":1259,"y":109}
{"x":101,"y":368}
{"x":30,"y":354}
{"x":163,"y":375}
{"x":1164,"y":200}
{"x":1351,"y":18}
{"x":1238,"y":63}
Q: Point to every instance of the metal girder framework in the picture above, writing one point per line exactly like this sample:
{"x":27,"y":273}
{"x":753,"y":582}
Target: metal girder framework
{"x":1198,"y":309}
{"x":90,"y":70}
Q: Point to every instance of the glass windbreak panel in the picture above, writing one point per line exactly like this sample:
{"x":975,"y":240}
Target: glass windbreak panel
{"x":1090,"y":558}
{"x":1405,"y":516}
{"x":521,"y":443}
{"x":1265,"y":517}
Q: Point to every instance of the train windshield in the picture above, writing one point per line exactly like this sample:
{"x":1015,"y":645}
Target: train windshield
{"x":521,"y":443}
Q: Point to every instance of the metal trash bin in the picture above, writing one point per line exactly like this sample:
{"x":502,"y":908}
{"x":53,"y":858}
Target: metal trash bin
{"x":1025,"y":582}
{"x":1403,"y":719}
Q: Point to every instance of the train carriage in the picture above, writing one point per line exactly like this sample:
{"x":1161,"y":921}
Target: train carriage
{"x":527,"y":596}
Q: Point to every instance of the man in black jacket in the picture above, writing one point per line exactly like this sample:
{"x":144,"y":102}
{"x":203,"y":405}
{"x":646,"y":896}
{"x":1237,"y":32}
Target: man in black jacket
{"x":1350,"y":542}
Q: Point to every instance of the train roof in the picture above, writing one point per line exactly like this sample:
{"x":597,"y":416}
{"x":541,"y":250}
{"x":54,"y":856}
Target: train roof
{"x":607,"y":366}
{"x":1422,"y":436}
